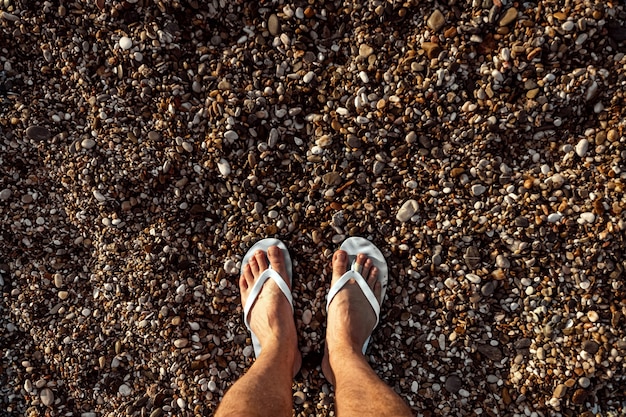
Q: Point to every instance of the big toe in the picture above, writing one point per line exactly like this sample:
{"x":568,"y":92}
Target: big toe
{"x":340,"y":264}
{"x":277,"y":261}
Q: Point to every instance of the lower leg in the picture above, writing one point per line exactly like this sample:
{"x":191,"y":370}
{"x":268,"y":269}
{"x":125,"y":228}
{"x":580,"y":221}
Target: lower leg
{"x":358,"y":390}
{"x":355,"y":381}
{"x":265,"y":390}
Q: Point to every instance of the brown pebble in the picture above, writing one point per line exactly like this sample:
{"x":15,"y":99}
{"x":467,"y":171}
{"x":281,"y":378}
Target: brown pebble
{"x":38,"y":133}
{"x":509,"y":17}
{"x":432,"y":49}
{"x":506,"y":397}
{"x":559,"y":391}
{"x":579,"y":396}
{"x":455,"y":172}
{"x":450,"y":32}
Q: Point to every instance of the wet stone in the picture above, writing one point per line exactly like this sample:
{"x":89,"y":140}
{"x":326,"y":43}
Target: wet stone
{"x":488,"y":288}
{"x":453,"y":384}
{"x":590,"y":346}
{"x":331,"y":178}
{"x":490,"y":352}
{"x":39,"y":133}
{"x":579,"y":396}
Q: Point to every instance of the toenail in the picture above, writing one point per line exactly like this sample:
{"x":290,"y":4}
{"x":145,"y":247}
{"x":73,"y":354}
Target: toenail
{"x":341,"y":256}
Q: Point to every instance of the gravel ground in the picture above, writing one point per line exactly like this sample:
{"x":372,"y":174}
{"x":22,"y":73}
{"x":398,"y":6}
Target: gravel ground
{"x":145,"y":145}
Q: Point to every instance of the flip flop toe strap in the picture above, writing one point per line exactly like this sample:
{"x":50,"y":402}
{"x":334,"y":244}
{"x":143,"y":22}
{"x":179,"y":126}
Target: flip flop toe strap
{"x":367,"y":291}
{"x":258,"y":286}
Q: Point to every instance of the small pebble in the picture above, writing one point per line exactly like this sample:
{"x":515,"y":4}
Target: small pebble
{"x":88,"y":143}
{"x":124,"y":390}
{"x":125,"y":43}
{"x":39,"y":133}
{"x":581,"y":147}
{"x":407,"y":210}
{"x":224,"y":167}
{"x":47,"y":396}
{"x":478,"y":189}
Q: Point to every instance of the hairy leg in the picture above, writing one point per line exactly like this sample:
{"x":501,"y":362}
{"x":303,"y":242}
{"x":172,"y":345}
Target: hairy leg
{"x":358,"y":390}
{"x":265,"y":390}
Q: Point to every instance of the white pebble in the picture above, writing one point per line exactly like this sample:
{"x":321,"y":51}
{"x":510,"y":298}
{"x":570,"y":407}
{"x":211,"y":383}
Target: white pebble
{"x":478,"y":189}
{"x":124,"y":390}
{"x":407,"y":210}
{"x":584,"y":382}
{"x":47,"y":396}
{"x":363,"y":76}
{"x":88,"y":143}
{"x":125,"y":43}
{"x":231,"y":135}
{"x":473,"y":278}
{"x":224,"y":167}
{"x":581,"y":147}
{"x":230,"y":267}
{"x":98,"y":195}
{"x":568,"y":26}
{"x":308,"y":77}
{"x":587,"y":217}
{"x":554,"y":217}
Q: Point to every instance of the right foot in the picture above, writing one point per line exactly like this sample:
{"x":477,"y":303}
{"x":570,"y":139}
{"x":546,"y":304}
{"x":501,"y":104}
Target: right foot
{"x":351,"y":318}
{"x":271,"y":317}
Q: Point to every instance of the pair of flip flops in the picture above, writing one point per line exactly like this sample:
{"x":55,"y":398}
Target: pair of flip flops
{"x":352,"y":246}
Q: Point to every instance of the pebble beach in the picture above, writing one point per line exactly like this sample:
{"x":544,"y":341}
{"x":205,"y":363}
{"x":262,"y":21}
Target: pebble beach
{"x":145,"y":145}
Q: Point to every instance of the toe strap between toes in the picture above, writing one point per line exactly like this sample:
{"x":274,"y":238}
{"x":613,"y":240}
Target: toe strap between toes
{"x":367,"y":291}
{"x":258,"y":286}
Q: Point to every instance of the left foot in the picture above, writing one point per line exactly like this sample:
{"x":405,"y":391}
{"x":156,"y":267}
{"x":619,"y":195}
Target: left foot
{"x":271,"y":317}
{"x":350,"y":315}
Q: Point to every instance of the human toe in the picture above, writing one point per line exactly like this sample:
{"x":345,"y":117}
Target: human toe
{"x":247,"y":278}
{"x":277,"y":260}
{"x":340,"y":264}
{"x":261,"y":260}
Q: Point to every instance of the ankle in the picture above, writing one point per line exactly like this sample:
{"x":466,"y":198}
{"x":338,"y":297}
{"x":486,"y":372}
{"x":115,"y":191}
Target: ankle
{"x":338,"y":352}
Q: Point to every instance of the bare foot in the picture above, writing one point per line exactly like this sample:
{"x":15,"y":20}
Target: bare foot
{"x":350,"y":316}
{"x":271,"y":317}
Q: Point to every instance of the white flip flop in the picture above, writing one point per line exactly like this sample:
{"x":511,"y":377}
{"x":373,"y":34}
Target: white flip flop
{"x":353,"y":246}
{"x":269,"y":273}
